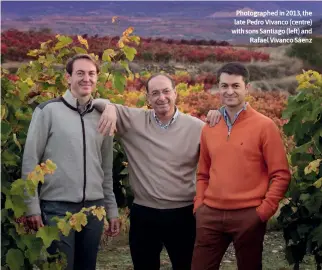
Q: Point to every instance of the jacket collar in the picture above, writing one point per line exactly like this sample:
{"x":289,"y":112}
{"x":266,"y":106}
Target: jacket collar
{"x":73,"y":102}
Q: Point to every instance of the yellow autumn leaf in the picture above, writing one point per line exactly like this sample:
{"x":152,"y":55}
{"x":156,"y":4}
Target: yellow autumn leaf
{"x":64,"y":227}
{"x":114,"y":19}
{"x":318,"y":183}
{"x":313,"y":167}
{"x":77,"y":221}
{"x":120,"y":44}
{"x":29,"y":81}
{"x":82,"y":41}
{"x":128,"y":31}
{"x":99,"y":212}
{"x":16,"y":141}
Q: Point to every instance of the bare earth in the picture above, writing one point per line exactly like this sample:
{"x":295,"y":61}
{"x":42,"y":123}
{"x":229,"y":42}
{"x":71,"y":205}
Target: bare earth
{"x":116,"y":255}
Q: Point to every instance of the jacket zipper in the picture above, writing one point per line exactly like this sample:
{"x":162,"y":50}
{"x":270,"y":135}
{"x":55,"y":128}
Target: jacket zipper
{"x":229,"y":130}
{"x":84,"y":156}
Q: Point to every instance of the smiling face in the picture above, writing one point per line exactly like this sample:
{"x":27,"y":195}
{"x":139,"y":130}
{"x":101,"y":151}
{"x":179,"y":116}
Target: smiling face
{"x":83,"y":78}
{"x":161,"y":95}
{"x":233,"y":90}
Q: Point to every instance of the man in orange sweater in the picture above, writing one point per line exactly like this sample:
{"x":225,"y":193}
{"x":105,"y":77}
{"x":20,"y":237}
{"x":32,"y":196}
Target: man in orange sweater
{"x":243,"y":173}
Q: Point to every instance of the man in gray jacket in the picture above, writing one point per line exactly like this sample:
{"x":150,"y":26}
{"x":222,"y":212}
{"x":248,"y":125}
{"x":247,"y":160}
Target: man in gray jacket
{"x":64,"y":130}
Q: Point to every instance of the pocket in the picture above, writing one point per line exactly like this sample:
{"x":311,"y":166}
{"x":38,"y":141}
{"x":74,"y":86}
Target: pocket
{"x":258,"y":217}
{"x":199,"y":209}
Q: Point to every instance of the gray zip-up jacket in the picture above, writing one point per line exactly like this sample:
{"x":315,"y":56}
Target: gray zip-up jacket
{"x":59,"y":131}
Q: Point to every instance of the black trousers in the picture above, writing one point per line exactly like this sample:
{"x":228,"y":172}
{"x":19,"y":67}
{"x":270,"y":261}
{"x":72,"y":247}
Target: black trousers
{"x":151,"y":229}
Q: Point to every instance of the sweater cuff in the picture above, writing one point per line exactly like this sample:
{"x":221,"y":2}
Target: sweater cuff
{"x":265,"y":212}
{"x":33,"y":209}
{"x":112,"y":213}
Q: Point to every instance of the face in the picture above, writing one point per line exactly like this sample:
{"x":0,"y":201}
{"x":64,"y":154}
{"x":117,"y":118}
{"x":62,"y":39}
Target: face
{"x":161,"y":96}
{"x":84,"y":77}
{"x":233,"y":89}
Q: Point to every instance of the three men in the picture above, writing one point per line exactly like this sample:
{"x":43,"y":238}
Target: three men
{"x":64,"y":130}
{"x":243,"y":173}
{"x":162,"y":146}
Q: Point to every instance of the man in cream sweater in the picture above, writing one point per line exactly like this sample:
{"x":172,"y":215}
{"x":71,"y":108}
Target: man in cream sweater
{"x":162,"y":147}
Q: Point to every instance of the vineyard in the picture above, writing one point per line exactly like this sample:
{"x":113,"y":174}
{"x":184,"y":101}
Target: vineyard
{"x":16,"y":44}
{"x":298,"y":117}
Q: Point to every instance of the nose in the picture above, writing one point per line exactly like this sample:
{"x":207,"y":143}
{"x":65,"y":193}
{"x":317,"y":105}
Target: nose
{"x":86,"y":77}
{"x":161,"y":96}
{"x":230,"y":91}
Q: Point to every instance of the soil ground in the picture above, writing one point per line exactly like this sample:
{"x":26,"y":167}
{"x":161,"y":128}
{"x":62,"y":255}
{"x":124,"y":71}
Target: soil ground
{"x":116,"y":255}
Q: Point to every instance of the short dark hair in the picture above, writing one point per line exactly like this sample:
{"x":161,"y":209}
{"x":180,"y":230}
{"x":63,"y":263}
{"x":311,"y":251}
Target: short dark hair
{"x":234,"y":68}
{"x":70,"y":62}
{"x":156,"y":75}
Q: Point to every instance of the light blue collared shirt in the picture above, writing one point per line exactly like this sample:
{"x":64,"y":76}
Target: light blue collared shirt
{"x":227,"y":120}
{"x":165,"y":126}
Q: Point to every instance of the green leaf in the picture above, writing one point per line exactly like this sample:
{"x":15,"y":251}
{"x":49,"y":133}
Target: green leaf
{"x":15,"y":259}
{"x":5,"y":130}
{"x":64,"y":41}
{"x":317,"y":235}
{"x":19,"y":205}
{"x":135,"y":39}
{"x":20,"y":244}
{"x":124,"y":171}
{"x":79,"y":50}
{"x":140,"y":103}
{"x":129,"y":52}
{"x":9,"y":158}
{"x":119,"y":81}
{"x":108,"y":54}
{"x":34,"y":247}
{"x":4,"y":215}
{"x":23,"y":90}
{"x":126,"y":66}
{"x":17,"y":187}
{"x":48,"y":234}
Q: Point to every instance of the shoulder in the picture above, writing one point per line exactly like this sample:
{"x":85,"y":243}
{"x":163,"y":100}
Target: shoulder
{"x":192,"y":120}
{"x":265,"y":123}
{"x":49,"y":103}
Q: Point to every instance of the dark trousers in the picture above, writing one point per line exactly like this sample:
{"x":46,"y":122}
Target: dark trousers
{"x":151,"y":229}
{"x":80,"y":248}
{"x":216,"y":229}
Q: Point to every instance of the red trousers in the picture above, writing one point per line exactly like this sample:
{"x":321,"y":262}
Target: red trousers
{"x":216,"y":229}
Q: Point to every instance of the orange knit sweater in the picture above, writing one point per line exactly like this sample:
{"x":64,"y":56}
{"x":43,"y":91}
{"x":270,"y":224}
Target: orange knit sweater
{"x":248,"y":168}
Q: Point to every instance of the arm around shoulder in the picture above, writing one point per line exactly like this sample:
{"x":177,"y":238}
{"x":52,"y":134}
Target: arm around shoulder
{"x":124,"y":115}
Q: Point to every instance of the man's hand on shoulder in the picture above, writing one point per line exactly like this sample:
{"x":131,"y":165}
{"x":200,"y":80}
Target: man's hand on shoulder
{"x":108,"y":120}
{"x":213,"y":117}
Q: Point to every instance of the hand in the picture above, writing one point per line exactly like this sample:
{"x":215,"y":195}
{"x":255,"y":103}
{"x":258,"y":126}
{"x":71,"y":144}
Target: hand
{"x":114,"y":227}
{"x":34,"y":222}
{"x":108,"y":120}
{"x":213,"y":117}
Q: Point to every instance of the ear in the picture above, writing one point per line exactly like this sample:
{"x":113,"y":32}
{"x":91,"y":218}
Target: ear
{"x":247,"y":88}
{"x":68,"y":78}
{"x":147,"y":98}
